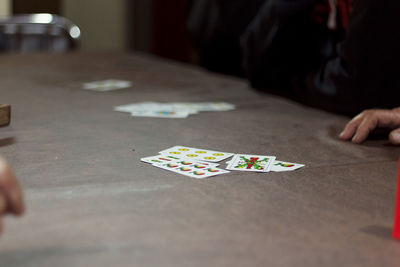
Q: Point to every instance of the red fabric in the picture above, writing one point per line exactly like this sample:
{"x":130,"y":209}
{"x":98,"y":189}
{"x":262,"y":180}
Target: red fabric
{"x":396,"y":226}
{"x":323,"y":10}
{"x":345,"y":7}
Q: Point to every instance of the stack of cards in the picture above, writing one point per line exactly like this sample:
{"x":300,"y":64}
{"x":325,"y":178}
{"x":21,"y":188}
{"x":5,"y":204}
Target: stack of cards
{"x":202,"y":163}
{"x":107,"y":85}
{"x":172,"y":110}
{"x":191,"y":162}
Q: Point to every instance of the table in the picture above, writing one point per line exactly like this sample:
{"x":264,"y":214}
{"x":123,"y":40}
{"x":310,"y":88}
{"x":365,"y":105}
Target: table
{"x":91,"y":202}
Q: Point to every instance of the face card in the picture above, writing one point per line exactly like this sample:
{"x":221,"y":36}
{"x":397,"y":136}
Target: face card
{"x":194,"y":171}
{"x":281,"y":166}
{"x":252,"y":163}
{"x":107,"y":85}
{"x":196,"y":153}
{"x":159,"y":159}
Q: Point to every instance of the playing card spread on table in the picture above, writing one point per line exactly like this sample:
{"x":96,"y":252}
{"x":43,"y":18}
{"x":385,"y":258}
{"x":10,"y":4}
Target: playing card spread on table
{"x":194,"y":170}
{"x":107,"y":85}
{"x":196,"y":153}
{"x":281,"y":166}
{"x":214,"y":106}
{"x":195,"y":162}
{"x":159,"y":159}
{"x":172,"y":110}
{"x":252,"y":163}
{"x":160,"y":114}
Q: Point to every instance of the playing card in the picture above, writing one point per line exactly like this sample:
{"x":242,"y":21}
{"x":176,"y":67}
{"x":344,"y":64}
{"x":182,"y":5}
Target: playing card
{"x":196,"y":170}
{"x":252,"y":163}
{"x":156,"y":159}
{"x":172,"y":110}
{"x":214,"y":106}
{"x":196,"y":153}
{"x":154,"y":106}
{"x":107,"y":85}
{"x":137,"y":106}
{"x":159,"y":159}
{"x":160,"y":114}
{"x":281,"y":166}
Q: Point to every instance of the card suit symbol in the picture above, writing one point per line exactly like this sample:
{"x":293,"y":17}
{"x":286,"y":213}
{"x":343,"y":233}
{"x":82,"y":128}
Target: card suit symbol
{"x":199,"y":167}
{"x":170,"y":165}
{"x":284,"y":165}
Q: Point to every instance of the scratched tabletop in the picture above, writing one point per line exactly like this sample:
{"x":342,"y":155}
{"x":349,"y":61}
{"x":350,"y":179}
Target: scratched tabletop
{"x":91,"y":202}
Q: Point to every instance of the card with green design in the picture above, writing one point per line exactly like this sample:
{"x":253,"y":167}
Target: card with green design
{"x":251,"y":163}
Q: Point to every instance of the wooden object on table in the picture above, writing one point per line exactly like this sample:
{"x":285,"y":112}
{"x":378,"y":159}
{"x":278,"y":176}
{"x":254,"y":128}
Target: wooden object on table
{"x":5,"y":115}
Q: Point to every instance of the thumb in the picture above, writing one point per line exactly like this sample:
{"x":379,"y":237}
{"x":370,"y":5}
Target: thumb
{"x":394,"y":137}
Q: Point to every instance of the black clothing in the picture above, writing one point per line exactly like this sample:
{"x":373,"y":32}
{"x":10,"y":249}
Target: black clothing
{"x":284,"y":42}
{"x":216,"y":26}
{"x":283,"y":48}
{"x":366,"y":73}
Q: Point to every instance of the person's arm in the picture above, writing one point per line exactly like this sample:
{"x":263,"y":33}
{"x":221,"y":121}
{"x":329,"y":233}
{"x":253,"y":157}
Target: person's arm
{"x":11,"y":199}
{"x":360,"y":126}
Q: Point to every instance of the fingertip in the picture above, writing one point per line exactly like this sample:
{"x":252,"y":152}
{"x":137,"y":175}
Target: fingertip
{"x":344,"y":135}
{"x":350,"y":129}
{"x":394,"y":137}
{"x":356,"y":140}
{"x":360,"y":136}
{"x":17,"y":206}
{"x":18,"y":209}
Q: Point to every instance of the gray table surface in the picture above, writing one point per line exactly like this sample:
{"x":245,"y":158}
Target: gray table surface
{"x":91,"y":202}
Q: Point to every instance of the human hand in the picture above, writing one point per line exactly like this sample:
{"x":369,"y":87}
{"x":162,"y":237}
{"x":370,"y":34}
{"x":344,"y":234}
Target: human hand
{"x":11,"y":200}
{"x":360,"y":126}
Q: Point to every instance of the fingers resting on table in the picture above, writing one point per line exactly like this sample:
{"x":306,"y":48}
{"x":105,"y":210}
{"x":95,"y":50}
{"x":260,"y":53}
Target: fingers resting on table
{"x":363,"y":124}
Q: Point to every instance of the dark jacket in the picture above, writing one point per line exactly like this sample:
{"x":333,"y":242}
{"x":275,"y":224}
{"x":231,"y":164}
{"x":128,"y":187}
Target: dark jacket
{"x":366,"y":73}
{"x":282,"y":48}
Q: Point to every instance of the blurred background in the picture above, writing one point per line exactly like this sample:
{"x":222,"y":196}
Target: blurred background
{"x":157,"y":27}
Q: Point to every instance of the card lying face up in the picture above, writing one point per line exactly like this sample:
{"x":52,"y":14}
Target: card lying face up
{"x":107,"y":85}
{"x":196,"y":153}
{"x":251,"y":163}
{"x":281,"y":166}
{"x":160,"y":114}
{"x":195,"y":170}
{"x":160,"y":159}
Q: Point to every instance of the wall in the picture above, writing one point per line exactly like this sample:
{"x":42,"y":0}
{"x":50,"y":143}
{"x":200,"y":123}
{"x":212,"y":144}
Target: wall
{"x":5,"y":8}
{"x":102,"y":22}
{"x":141,"y":23}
